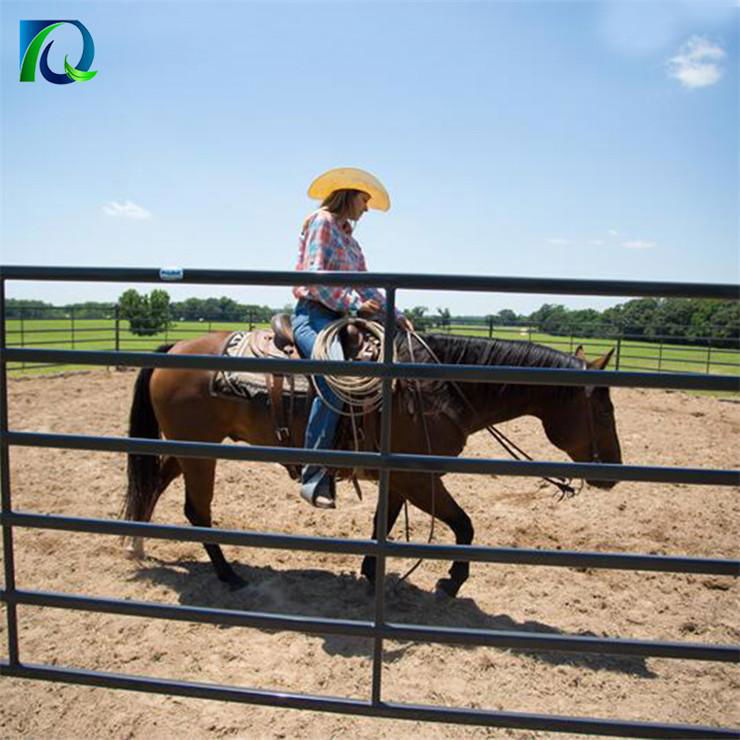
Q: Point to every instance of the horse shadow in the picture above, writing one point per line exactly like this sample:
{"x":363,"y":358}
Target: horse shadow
{"x":324,"y":594}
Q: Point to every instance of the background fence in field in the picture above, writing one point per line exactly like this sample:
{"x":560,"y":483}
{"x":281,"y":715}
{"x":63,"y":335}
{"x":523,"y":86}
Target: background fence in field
{"x":61,"y":328}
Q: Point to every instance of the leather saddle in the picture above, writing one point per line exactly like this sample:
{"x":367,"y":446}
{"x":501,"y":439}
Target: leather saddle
{"x":356,"y":343}
{"x":282,"y":331}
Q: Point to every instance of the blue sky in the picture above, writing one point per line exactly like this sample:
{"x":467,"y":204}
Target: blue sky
{"x":554,"y":139}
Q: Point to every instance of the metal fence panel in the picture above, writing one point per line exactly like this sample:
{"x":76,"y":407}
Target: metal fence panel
{"x":378,"y":629}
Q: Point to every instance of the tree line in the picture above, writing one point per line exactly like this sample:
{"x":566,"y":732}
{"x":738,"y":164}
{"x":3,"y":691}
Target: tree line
{"x":23,"y":308}
{"x":147,"y":314}
{"x":682,"y":320}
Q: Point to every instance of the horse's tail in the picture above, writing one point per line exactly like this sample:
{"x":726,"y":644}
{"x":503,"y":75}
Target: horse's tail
{"x":143,"y":470}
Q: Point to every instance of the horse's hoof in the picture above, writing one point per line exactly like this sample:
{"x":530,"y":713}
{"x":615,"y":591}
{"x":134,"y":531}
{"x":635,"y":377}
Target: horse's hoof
{"x":369,"y":578}
{"x":446,"y":589}
{"x":236,"y":583}
{"x":369,"y":588}
{"x":367,"y":571}
{"x":134,"y":552}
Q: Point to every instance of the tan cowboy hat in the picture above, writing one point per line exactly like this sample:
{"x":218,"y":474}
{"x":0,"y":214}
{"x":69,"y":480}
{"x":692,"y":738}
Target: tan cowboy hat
{"x":351,"y":178}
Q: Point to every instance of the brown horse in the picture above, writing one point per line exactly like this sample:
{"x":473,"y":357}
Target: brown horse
{"x":177,"y":404}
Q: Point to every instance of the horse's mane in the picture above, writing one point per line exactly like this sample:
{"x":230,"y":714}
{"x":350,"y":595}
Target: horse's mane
{"x":462,"y":350}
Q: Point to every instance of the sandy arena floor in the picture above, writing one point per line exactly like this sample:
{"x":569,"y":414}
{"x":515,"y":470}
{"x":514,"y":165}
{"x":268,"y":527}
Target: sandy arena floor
{"x":655,"y":428}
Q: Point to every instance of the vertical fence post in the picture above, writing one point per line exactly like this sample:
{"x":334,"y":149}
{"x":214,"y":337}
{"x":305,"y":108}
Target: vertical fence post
{"x":660,"y":355}
{"x":384,"y":479}
{"x":619,"y":351}
{"x":23,"y":336}
{"x":490,"y":327}
{"x":72,"y":323}
{"x":117,"y":315}
{"x":709,"y":356}
{"x":251,"y":319}
{"x":11,"y":611}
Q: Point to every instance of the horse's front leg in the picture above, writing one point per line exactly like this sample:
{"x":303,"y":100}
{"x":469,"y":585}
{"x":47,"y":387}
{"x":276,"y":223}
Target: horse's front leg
{"x":369,"y":563}
{"x":450,"y":512}
{"x":428,"y":493}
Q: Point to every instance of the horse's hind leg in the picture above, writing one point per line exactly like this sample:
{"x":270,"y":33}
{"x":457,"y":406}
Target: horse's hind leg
{"x":369,"y":563}
{"x":169,"y":470}
{"x":199,"y":479}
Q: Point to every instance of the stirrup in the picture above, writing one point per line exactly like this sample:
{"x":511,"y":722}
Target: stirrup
{"x":310,"y":494}
{"x":320,"y":501}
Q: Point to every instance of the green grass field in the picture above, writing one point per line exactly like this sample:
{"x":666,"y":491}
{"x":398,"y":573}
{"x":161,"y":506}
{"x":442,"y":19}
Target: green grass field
{"x":95,"y":334}
{"x":100,"y":334}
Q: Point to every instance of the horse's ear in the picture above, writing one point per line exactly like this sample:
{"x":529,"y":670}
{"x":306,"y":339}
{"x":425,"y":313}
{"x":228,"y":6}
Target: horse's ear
{"x":579,"y":353}
{"x":603,"y":361}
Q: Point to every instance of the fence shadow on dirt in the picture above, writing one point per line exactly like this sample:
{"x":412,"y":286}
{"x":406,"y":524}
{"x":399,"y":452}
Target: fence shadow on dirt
{"x":320,"y":593}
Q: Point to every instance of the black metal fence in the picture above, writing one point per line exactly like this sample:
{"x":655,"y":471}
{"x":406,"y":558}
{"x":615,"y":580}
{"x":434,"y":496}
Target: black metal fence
{"x":379,"y":629}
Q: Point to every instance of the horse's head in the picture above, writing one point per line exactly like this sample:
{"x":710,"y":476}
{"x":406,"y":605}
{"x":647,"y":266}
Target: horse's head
{"x":587,"y":431}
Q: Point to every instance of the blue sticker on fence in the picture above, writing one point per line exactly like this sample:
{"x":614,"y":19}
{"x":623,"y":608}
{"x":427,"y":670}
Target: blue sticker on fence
{"x":171,"y":273}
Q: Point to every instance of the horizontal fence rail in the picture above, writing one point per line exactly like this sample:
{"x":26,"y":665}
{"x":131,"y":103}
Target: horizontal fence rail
{"x":378,"y":461}
{"x":505,"y":639}
{"x":470,"y":553}
{"x":379,"y":628}
{"x":470,"y":373}
{"x":387,"y":710}
{"x":395,"y":281}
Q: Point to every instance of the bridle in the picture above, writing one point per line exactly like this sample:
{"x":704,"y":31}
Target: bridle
{"x":516,"y":452}
{"x":589,"y":392}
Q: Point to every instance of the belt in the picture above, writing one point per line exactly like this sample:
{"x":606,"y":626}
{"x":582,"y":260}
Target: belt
{"x":322,"y":307}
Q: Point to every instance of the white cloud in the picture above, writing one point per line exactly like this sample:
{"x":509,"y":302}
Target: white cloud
{"x":126,"y":210}
{"x":613,"y":232}
{"x":558,"y":242}
{"x":597,"y":242}
{"x":638,"y":244}
{"x":698,"y":63}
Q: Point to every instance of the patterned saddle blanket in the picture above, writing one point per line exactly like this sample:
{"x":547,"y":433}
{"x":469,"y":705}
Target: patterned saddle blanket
{"x":237,"y":385}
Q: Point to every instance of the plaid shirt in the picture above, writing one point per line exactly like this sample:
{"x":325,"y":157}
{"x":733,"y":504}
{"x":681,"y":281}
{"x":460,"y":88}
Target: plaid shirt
{"x":325,"y":244}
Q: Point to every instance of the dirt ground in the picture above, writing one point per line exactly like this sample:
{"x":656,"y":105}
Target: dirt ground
{"x":655,"y":427}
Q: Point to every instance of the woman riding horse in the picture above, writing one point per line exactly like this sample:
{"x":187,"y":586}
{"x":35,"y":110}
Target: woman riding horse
{"x":178,"y":404}
{"x":326,"y":243}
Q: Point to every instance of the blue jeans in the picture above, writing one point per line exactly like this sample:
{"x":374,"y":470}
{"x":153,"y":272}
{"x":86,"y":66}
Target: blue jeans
{"x":308,"y":319}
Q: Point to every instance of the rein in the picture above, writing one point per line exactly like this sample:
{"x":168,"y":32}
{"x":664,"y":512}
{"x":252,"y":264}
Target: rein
{"x":366,"y":393}
{"x":432,"y":476}
{"x":516,"y":452}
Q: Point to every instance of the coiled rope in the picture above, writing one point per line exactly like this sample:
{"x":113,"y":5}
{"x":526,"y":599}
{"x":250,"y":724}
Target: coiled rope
{"x":358,"y":394}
